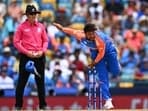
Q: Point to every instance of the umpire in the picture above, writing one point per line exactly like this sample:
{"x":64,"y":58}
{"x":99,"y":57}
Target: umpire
{"x":31,"y":41}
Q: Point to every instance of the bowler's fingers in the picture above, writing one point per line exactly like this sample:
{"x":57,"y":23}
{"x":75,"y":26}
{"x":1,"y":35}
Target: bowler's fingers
{"x":58,"y":26}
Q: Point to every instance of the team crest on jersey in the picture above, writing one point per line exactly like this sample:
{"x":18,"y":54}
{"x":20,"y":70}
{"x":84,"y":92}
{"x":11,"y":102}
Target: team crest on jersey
{"x":26,"y":30}
{"x":39,"y":30}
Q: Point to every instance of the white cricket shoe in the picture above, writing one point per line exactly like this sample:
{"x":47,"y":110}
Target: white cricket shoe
{"x":108,"y":104}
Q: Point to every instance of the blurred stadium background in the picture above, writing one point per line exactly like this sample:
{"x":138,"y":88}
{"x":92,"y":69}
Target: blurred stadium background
{"x":126,"y":21}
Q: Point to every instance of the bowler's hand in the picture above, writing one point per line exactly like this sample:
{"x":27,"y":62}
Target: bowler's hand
{"x":60,"y":27}
{"x":92,"y":64}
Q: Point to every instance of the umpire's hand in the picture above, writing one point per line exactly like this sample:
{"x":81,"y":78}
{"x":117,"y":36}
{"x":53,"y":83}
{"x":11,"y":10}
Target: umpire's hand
{"x":37,"y":54}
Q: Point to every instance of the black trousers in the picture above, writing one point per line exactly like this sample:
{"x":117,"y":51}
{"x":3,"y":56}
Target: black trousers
{"x":23,"y":78}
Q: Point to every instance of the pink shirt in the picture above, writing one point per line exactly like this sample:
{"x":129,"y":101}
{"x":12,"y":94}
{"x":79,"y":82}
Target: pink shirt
{"x":30,"y":37}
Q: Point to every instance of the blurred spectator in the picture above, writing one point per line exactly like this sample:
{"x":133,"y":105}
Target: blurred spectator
{"x":129,"y":61}
{"x":61,"y":17}
{"x":143,"y":23}
{"x":115,"y":7}
{"x":143,"y":64}
{"x":134,"y":39}
{"x":65,"y":5}
{"x":79,"y":12}
{"x":63,"y":47}
{"x":8,"y":42}
{"x":3,"y":8}
{"x":143,"y":18}
{"x":57,"y":78}
{"x":116,"y":36}
{"x":6,"y":82}
{"x":132,"y":8}
{"x":77,"y":80}
{"x":81,"y":56}
{"x":95,"y":9}
{"x":14,"y":10}
{"x":128,"y":21}
{"x":8,"y":59}
{"x":79,"y":65}
{"x":12,"y":19}
{"x":80,"y":8}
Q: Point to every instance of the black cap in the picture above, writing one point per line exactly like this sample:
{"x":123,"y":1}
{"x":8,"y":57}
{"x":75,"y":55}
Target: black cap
{"x":30,"y":9}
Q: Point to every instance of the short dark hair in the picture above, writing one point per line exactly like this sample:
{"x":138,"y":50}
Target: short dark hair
{"x":89,"y":27}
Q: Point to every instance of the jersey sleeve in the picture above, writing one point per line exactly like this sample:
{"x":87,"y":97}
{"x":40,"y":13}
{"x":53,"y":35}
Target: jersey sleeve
{"x":17,"y":41}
